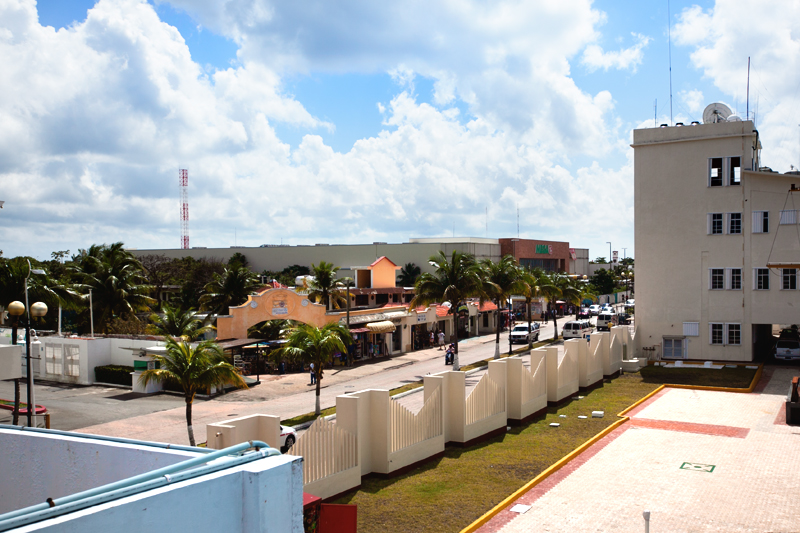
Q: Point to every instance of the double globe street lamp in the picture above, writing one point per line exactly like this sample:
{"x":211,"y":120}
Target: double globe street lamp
{"x":15,"y":311}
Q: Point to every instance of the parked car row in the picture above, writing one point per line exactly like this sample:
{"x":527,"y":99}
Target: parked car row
{"x":520,"y":333}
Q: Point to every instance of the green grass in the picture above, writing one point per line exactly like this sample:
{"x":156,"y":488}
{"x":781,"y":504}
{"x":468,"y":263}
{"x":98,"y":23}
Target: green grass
{"x":739,"y":377}
{"x":449,"y":493}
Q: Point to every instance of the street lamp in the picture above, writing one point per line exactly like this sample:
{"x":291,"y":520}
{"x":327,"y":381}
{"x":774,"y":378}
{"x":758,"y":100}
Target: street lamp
{"x":38,"y":309}
{"x":609,"y":254}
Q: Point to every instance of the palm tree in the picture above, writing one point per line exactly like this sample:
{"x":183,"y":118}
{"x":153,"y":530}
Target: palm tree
{"x":551,"y":292}
{"x":310,"y":344}
{"x":229,"y":289}
{"x":178,"y":323}
{"x":324,"y":287}
{"x":115,"y":279}
{"x":454,"y":280}
{"x":536,"y":284}
{"x":40,"y":288}
{"x":501,"y":280}
{"x":195,"y":368}
{"x":408,"y":275}
{"x":568,"y":292}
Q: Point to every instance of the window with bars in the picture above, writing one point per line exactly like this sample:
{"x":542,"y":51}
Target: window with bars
{"x":72,"y":356}
{"x":789,"y":217}
{"x":52,"y":359}
{"x":734,"y":334}
{"x":716,"y":333}
{"x":789,"y":279}
{"x":735,"y":171}
{"x":715,"y":223}
{"x":734,"y":223}
{"x":760,"y":221}
{"x":716,"y":278}
{"x":734,"y":281}
{"x":715,"y":172}
{"x":761,"y":279}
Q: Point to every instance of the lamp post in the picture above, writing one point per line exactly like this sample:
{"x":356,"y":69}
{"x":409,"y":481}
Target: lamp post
{"x":38,"y":309}
{"x":510,"y":347}
{"x":609,"y":254}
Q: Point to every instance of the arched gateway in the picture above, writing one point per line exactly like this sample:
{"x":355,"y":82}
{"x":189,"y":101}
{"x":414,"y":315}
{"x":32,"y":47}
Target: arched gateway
{"x":272,"y":304}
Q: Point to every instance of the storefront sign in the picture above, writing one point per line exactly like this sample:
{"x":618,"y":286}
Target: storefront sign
{"x":422,"y":318}
{"x":544,"y":249}
{"x":572,"y":254}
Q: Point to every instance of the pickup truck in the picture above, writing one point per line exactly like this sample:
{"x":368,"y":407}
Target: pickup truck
{"x":787,"y":349}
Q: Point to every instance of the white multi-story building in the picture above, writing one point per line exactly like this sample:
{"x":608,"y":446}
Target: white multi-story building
{"x":708,"y":222}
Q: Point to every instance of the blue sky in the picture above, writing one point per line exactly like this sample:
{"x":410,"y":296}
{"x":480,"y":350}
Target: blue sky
{"x":358,"y":122}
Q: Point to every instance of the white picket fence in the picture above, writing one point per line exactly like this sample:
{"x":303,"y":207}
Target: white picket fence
{"x":486,"y":399}
{"x":408,"y":428}
{"x":326,"y":449}
{"x":534,"y":384}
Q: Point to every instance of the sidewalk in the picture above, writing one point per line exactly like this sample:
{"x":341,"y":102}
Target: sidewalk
{"x":697,"y":460}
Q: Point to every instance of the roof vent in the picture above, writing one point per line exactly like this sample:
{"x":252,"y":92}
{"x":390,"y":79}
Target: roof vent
{"x":679,"y":123}
{"x":695,"y":123}
{"x":663,"y":125}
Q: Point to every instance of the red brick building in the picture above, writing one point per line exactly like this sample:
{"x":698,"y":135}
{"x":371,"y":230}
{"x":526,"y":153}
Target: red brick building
{"x":551,"y":256}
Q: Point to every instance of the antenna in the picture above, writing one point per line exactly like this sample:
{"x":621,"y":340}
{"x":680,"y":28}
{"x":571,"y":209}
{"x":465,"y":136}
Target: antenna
{"x":655,"y":113}
{"x":747,"y":116}
{"x":669,"y":45}
{"x":183,"y":181}
{"x":487,"y":221}
{"x":517,"y":221}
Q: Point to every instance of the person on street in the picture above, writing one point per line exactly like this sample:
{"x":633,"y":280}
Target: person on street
{"x":441,"y":340}
{"x":313,"y":375}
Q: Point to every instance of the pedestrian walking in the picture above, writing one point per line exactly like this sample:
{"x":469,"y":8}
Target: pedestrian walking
{"x":545,"y":313}
{"x":441,"y":339}
{"x":313,"y":375}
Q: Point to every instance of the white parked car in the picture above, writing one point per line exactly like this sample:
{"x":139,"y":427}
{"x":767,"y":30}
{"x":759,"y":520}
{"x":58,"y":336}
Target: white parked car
{"x":629,"y":303}
{"x":519,"y":334}
{"x":594,"y":309}
{"x":288,"y":438}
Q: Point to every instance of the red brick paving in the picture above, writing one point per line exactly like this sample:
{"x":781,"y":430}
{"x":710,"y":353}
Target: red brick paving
{"x":690,"y":427}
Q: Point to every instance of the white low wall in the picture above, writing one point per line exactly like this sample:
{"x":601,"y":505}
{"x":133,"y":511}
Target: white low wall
{"x":590,"y":363}
{"x":265,"y":428}
{"x":10,"y":362}
{"x":264,"y":495}
{"x":527,"y":389}
{"x":562,"y":376}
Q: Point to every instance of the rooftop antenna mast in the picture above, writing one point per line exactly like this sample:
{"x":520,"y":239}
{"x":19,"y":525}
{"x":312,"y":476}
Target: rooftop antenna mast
{"x":669,"y":45}
{"x":517,"y":221}
{"x":183,"y":180}
{"x":747,"y":116}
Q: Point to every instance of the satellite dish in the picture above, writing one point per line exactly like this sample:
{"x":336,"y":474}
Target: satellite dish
{"x":734,"y":118}
{"x":716,"y":112}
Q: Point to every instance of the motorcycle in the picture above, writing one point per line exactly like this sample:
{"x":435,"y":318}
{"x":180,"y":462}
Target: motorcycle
{"x":449,"y":355}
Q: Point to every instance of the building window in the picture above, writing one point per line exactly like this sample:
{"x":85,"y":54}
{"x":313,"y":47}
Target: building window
{"x":734,"y":223}
{"x":716,"y":333}
{"x":734,"y":279}
{"x":72,"y":354}
{"x":715,"y":223}
{"x":789,"y":278}
{"x":760,"y":221}
{"x":735,"y":171}
{"x":673,"y":348}
{"x":715,"y":172}
{"x":734,"y":334}
{"x":717,"y":281}
{"x":761,"y":279}
{"x":788,"y":217}
{"x":691,"y":329}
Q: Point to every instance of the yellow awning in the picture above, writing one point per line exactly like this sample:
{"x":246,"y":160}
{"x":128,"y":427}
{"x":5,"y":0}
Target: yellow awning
{"x":384,"y":326}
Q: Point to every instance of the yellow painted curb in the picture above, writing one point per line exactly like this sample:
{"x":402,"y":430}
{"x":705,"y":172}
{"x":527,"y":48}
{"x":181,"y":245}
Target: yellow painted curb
{"x":541,"y":477}
{"x":642,"y":400}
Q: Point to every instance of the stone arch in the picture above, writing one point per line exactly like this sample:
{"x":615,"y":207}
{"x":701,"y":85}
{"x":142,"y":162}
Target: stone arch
{"x":272,"y":304}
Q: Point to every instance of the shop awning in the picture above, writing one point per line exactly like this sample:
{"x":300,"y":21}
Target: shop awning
{"x":359,"y":330}
{"x":381,"y":327}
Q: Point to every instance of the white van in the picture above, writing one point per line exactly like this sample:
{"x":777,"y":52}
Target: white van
{"x":576,"y":329}
{"x":606,"y":320}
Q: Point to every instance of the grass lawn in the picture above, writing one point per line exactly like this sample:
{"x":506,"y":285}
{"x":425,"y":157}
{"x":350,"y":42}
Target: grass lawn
{"x":449,"y":493}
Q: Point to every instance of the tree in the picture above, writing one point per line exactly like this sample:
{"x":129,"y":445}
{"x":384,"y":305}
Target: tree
{"x":115,"y":279}
{"x":628,"y":261}
{"x":602,"y":282}
{"x":551,"y":292}
{"x":501,"y":280}
{"x":238,"y":260}
{"x":536,"y":284}
{"x":569,"y":292}
{"x":408,"y":275}
{"x":454,"y":280}
{"x":40,"y":288}
{"x":269,"y":330}
{"x":195,"y":369}
{"x":193,"y":275}
{"x":600,"y":260}
{"x":159,"y":270}
{"x":324,"y":287}
{"x":178,"y":324}
{"x":229,"y":289}
{"x":310,"y":344}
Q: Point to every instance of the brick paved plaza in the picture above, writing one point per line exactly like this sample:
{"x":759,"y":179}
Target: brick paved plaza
{"x":697,"y":460}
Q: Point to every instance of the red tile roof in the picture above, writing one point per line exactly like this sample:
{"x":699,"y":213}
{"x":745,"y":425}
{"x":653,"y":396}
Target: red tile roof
{"x":381,"y":258}
{"x":487,"y":306}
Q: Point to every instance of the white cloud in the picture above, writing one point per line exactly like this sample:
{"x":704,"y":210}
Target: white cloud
{"x":630,"y":58}
{"x":693,"y":100}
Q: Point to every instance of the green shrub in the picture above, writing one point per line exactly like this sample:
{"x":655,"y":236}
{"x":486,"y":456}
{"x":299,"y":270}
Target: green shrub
{"x":114,"y":374}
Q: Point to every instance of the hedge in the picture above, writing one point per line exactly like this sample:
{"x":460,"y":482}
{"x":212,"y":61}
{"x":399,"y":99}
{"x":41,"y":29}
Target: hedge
{"x":114,"y":374}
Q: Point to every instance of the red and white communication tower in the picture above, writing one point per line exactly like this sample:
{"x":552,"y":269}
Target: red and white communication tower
{"x":183,"y":177}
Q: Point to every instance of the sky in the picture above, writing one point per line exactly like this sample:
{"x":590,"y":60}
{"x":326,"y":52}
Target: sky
{"x":359,"y":121}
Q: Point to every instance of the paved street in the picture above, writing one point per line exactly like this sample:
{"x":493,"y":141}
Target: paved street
{"x":697,"y":460}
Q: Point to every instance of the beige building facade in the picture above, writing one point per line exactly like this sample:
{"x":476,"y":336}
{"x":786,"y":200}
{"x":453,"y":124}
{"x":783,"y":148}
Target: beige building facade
{"x":708,"y":221}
